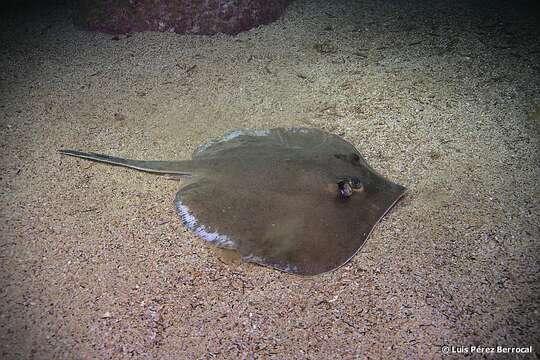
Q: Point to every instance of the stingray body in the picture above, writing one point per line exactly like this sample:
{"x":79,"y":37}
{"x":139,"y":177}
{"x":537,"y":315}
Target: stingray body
{"x":299,"y":200}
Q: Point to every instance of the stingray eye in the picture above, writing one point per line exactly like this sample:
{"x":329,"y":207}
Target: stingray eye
{"x":348,"y":185}
{"x":345,"y":189}
{"x":356,"y":184}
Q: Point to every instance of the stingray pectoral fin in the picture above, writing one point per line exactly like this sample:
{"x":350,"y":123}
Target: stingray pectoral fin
{"x":153,"y":166}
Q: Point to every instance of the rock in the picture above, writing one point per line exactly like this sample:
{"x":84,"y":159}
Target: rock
{"x":180,"y":16}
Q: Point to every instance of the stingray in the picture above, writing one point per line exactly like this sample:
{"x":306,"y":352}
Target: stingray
{"x":299,"y":200}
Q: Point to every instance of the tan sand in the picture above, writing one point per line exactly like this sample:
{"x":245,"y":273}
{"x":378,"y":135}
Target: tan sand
{"x":95,"y":262}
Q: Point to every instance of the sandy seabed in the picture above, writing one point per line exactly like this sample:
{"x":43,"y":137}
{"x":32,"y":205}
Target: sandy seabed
{"x":444,"y":99}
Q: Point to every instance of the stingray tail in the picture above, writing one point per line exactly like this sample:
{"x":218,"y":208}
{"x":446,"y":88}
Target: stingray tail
{"x":152,"y":166}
